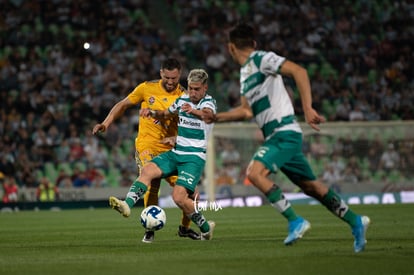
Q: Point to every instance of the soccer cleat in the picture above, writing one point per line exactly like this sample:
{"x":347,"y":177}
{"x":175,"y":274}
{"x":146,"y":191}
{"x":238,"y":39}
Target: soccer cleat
{"x":359,"y":232}
{"x":297,"y":229}
{"x":148,"y":237}
{"x":188,"y":232}
{"x":120,"y":206}
{"x":208,"y":235}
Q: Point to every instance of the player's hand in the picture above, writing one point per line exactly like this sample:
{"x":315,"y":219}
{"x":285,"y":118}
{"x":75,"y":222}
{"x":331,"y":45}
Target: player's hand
{"x":208,"y":116}
{"x":186,"y":108}
{"x":314,"y":119}
{"x":145,"y":112}
{"x":98,"y":128}
{"x":168,"y":141}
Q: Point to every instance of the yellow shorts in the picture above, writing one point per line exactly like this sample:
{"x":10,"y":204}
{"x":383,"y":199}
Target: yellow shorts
{"x":146,"y":154}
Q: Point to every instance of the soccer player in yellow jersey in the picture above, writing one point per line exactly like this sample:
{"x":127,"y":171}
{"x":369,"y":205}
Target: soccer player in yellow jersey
{"x":154,"y":135}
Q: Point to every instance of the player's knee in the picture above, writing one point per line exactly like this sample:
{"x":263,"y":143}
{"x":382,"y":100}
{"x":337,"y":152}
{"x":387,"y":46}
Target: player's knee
{"x":256,"y":171}
{"x":150,"y":172}
{"x":194,"y":196}
{"x":252,"y":176}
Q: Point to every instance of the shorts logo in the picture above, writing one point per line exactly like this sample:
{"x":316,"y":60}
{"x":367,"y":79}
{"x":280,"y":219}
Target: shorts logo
{"x":262,"y":151}
{"x":186,"y":177}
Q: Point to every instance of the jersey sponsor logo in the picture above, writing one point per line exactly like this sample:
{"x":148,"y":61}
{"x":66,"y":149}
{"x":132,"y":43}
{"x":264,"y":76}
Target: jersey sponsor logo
{"x":253,"y":81}
{"x":190,"y":123}
{"x":253,"y":95}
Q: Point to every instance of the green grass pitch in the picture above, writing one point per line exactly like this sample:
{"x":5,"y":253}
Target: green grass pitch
{"x":246,"y":241}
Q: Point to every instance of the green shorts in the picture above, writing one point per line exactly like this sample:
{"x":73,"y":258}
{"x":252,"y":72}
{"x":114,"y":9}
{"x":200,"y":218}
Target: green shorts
{"x":283,"y":151}
{"x":188,"y":168}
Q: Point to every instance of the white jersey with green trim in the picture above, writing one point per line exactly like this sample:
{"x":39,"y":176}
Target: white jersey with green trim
{"x":264,"y":90}
{"x":192,"y":132}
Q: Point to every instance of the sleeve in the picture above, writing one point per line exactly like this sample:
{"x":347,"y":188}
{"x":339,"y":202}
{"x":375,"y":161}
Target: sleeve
{"x":175,"y":106}
{"x":271,"y":63}
{"x":137,"y":95}
{"x":210,"y":103}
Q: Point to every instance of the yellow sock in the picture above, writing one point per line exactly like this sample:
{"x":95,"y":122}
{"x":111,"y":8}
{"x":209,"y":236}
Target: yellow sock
{"x":151,"y":197}
{"x":185,"y":221}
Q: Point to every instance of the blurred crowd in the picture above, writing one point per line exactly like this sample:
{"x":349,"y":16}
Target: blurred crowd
{"x":359,"y":54}
{"x":63,"y":64}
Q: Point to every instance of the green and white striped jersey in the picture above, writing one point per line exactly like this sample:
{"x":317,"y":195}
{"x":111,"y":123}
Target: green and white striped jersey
{"x":192,"y":132}
{"x":263,"y":87}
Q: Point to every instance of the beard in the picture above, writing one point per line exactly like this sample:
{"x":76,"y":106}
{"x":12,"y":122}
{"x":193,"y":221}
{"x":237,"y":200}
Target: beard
{"x":170,"y":88}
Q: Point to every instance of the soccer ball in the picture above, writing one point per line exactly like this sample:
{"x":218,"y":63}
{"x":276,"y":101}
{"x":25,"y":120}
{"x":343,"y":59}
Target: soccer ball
{"x":153,"y":218}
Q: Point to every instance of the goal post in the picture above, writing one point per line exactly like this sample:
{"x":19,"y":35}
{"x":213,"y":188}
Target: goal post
{"x":236,"y":130}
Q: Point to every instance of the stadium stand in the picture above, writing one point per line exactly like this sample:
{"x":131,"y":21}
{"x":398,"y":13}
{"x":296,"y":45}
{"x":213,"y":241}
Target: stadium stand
{"x":50,"y":78}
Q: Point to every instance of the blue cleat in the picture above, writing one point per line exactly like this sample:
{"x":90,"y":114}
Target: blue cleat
{"x":297,"y":229}
{"x":359,"y":232}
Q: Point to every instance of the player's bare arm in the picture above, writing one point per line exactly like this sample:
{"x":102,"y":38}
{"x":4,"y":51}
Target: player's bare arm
{"x":117,"y":111}
{"x":159,"y":114}
{"x":205,"y":113}
{"x":208,"y":115}
{"x":301,"y":78}
{"x":242,"y":112}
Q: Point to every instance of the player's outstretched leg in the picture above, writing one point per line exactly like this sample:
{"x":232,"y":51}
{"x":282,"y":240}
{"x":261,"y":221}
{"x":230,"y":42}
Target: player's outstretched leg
{"x":296,"y":228}
{"x":136,"y":191}
{"x":120,"y":206}
{"x":359,"y":231}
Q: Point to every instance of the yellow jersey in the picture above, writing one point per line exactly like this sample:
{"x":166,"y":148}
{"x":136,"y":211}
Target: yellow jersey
{"x":151,"y":94}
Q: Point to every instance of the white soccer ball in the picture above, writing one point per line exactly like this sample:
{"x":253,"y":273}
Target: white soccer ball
{"x":153,"y":218}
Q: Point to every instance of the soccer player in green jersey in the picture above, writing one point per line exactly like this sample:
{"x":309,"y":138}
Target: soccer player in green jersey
{"x":264,"y":97}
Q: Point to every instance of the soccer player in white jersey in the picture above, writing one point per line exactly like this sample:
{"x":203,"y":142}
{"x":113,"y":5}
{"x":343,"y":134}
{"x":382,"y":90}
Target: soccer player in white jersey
{"x":264,"y":97}
{"x":187,"y":158}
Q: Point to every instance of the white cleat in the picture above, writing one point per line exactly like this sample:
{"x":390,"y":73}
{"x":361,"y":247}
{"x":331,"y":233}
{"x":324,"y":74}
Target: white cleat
{"x":120,"y":206}
{"x":208,"y":235}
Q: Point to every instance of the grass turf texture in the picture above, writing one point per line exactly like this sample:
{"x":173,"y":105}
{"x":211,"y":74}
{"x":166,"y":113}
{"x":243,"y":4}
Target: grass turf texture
{"x":246,"y":241}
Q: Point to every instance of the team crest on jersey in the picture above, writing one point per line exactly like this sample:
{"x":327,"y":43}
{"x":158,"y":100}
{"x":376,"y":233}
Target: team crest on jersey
{"x":151,"y":100}
{"x":249,"y":68}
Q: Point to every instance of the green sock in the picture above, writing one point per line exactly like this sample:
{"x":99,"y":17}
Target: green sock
{"x":280,"y":203}
{"x":136,"y":191}
{"x":200,"y":221}
{"x":338,"y":207}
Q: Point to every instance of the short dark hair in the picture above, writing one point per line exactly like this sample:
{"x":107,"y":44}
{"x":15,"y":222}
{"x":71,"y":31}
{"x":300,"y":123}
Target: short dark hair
{"x":242,"y":36}
{"x":171,"y":64}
